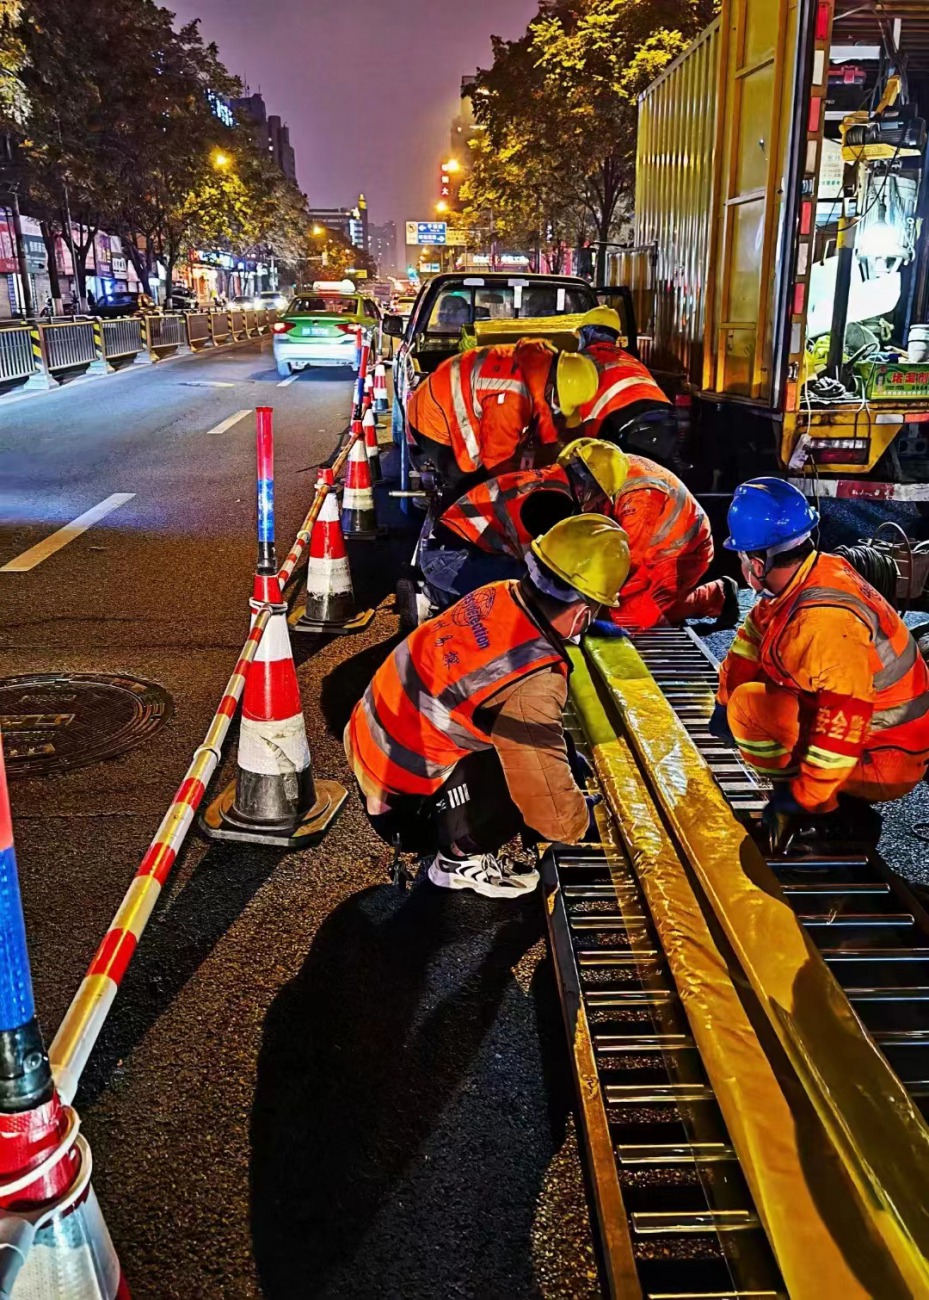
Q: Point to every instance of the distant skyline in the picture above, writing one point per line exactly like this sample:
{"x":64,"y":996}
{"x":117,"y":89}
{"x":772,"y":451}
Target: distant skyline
{"x":368,"y":88}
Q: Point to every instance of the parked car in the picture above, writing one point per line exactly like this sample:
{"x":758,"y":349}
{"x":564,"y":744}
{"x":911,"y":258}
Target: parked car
{"x":455,"y":300}
{"x":271,"y":298}
{"x":319,"y":328}
{"x":124,"y":302}
{"x":182,"y":298}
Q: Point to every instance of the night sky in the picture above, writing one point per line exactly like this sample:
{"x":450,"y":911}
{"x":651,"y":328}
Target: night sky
{"x":368,"y":87}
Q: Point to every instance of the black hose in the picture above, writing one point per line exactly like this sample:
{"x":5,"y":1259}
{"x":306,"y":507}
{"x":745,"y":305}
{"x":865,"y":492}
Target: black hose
{"x":875,"y":566}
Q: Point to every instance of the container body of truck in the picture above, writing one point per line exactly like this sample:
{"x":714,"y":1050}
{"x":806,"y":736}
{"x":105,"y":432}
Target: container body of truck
{"x":781,"y":207}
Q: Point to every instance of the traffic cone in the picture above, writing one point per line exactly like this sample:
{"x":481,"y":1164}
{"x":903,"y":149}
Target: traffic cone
{"x":368,"y":399}
{"x":330,"y":600}
{"x":381,"y":404}
{"x":274,"y":799}
{"x":55,"y":1241}
{"x":358,"y":515}
{"x":371,"y":445}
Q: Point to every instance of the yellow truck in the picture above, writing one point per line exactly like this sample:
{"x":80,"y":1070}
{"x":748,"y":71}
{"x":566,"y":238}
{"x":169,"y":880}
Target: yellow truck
{"x":781,"y":262}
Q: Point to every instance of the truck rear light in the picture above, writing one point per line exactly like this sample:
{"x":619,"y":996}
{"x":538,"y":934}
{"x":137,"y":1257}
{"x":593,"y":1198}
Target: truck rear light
{"x":282,"y":326}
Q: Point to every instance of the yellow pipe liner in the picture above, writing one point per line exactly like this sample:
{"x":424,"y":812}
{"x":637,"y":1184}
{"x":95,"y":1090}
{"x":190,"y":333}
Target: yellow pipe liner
{"x":873,"y":1124}
{"x":823,"y":1244}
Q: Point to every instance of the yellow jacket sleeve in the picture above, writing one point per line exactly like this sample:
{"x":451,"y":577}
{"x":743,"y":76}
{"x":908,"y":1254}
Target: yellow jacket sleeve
{"x":743,"y":662}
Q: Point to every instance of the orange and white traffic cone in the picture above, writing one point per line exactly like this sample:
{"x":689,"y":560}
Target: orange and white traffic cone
{"x":274,"y":798}
{"x":369,"y":428}
{"x":330,"y":598}
{"x":381,"y":404}
{"x":368,"y":394}
{"x":358,"y":515}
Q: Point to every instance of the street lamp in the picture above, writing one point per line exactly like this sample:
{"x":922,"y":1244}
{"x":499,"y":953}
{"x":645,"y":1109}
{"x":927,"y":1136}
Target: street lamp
{"x":318,"y":230}
{"x":453,"y":165}
{"x":220,"y":160}
{"x":441,"y":206}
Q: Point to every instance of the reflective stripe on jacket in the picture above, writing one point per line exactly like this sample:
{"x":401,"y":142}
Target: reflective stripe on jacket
{"x":416,"y":720}
{"x":663,"y":522}
{"x":830,"y":638}
{"x":489,"y":516}
{"x":482,"y":402}
{"x":623,"y":381}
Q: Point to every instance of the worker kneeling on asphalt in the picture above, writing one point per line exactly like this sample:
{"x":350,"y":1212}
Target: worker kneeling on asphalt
{"x":477,"y":411}
{"x":823,"y":689}
{"x":458,"y":743}
{"x":628,"y":407}
{"x":485,"y":535}
{"x":671,"y":548}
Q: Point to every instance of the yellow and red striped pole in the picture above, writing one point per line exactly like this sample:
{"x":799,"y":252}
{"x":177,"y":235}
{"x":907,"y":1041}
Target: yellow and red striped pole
{"x":90,"y":1006}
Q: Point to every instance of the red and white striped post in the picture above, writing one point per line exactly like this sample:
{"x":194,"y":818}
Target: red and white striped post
{"x":372,"y":447}
{"x":274,"y":799}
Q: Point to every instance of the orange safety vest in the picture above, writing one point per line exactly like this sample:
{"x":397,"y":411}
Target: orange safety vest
{"x":681,"y":524}
{"x":900,"y":677}
{"x":481,"y":402}
{"x":623,"y":381}
{"x":416,"y":720}
{"x":489,"y":516}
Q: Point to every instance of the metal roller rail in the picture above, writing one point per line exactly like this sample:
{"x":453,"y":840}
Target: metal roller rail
{"x":675,"y":1217}
{"x":869,"y":927}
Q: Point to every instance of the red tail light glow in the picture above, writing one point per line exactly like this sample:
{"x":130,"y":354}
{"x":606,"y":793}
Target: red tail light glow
{"x":282,"y":326}
{"x":346,"y":329}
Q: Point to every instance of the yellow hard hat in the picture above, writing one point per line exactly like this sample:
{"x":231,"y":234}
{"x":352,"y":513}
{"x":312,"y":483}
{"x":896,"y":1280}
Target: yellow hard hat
{"x":608,"y":466}
{"x":608,"y":317}
{"x":590,"y":553}
{"x":576,"y":382}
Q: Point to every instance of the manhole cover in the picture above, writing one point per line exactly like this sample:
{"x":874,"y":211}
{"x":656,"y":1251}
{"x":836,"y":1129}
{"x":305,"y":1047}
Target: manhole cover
{"x":53,"y":722}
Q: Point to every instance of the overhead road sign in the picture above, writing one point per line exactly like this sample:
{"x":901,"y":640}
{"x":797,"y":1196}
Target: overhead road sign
{"x":426,"y":232}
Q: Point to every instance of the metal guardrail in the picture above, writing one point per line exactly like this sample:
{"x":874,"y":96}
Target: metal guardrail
{"x":237,"y":323}
{"x":16,"y":360}
{"x":270,"y":316}
{"x":251,"y":321}
{"x":198,"y":327}
{"x":123,"y":337}
{"x":220,"y":326}
{"x":166,"y":332}
{"x":69,"y":345}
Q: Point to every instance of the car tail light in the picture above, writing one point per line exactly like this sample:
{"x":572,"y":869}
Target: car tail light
{"x":346,"y":329}
{"x":282,"y":326}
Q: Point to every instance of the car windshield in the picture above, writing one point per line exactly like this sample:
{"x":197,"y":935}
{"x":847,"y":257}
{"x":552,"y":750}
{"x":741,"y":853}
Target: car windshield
{"x":332,"y":304}
{"x":463,"y":304}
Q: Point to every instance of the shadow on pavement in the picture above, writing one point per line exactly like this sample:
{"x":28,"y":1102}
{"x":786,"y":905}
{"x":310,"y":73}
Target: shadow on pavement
{"x":403,"y":1121}
{"x":344,"y":685}
{"x":181,"y":936}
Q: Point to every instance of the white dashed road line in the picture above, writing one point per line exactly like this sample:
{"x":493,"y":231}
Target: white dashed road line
{"x":229,"y":422}
{"x":42,"y":550}
{"x":289,"y":380}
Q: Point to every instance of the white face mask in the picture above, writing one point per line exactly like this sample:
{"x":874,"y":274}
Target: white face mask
{"x":756,"y":583}
{"x":582,"y":621}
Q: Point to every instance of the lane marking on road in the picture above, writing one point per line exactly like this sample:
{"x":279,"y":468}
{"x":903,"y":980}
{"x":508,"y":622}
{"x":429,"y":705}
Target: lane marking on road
{"x":42,"y":550}
{"x":229,"y":422}
{"x":207,"y":383}
{"x":289,"y":380}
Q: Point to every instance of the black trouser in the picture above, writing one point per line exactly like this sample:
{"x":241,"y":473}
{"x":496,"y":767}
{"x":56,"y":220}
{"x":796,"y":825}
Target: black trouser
{"x":453,"y":567}
{"x":472,"y":812}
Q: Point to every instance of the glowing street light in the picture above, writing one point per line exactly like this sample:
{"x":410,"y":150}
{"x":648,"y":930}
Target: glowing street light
{"x":441,"y":206}
{"x":221,"y":160}
{"x":318,"y":230}
{"x":453,"y":165}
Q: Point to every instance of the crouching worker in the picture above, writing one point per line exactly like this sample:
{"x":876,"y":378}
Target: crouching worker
{"x":671,"y":545}
{"x":823,"y":689}
{"x":458,"y":744}
{"x":485,"y":535}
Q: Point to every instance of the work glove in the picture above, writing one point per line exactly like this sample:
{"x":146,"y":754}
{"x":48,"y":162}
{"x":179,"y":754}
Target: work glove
{"x":581,"y":770}
{"x":719,"y":724}
{"x":605,"y":627}
{"x":593,"y":830}
{"x":779,"y":818}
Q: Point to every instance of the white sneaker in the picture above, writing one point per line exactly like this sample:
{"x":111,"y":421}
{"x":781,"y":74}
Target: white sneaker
{"x":482,"y":873}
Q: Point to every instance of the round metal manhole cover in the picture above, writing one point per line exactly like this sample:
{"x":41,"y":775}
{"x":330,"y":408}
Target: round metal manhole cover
{"x":53,"y":722}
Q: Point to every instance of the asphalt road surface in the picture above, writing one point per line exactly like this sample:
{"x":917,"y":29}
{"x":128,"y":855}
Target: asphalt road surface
{"x":312,"y":1085}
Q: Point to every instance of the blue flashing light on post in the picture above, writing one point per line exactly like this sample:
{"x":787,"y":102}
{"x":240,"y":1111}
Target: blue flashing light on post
{"x":17,"y":1006}
{"x":264,"y":452}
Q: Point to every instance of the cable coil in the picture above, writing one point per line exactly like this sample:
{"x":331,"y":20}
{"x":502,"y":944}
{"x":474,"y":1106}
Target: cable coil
{"x":876,"y":566}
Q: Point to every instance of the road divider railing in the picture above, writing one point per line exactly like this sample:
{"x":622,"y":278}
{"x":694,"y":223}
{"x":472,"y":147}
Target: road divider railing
{"x":237,"y":324}
{"x":165,"y":333}
{"x":122,"y":338}
{"x":16,"y":356}
{"x":199,"y":334}
{"x":251,"y":322}
{"x":68,"y":344}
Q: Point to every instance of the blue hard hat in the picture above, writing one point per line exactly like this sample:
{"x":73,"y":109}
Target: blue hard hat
{"x":766,"y":513}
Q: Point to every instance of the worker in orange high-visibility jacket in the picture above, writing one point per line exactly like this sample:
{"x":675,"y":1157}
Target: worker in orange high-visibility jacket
{"x":823,"y":689}
{"x":671,"y":548}
{"x":458,"y":743}
{"x":477,"y":411}
{"x":627,"y":395}
{"x":484,"y":535}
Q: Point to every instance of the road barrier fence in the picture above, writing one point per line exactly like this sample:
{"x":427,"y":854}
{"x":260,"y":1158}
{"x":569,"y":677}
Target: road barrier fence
{"x":35,"y":350}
